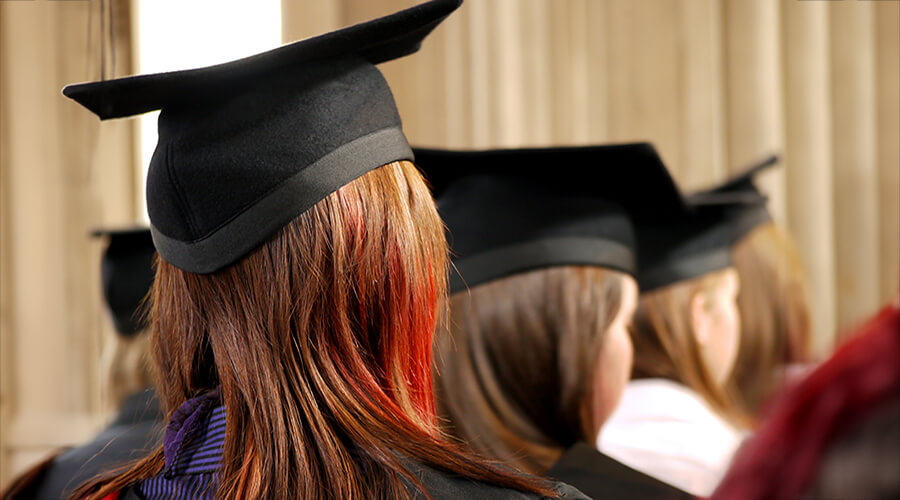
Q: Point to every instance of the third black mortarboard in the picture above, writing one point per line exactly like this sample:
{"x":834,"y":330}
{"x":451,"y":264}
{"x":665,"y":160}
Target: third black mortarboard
{"x":515,"y":210}
{"x":247,"y":146}
{"x":697,"y":243}
{"x":750,"y":212}
{"x":127,"y":276}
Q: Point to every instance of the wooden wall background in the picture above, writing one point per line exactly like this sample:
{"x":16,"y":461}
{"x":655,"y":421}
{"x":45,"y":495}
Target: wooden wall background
{"x":62,"y":174}
{"x":715,"y":84}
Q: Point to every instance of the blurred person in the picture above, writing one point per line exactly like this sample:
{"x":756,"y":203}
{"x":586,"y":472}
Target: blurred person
{"x":127,"y":276}
{"x":676,"y":422}
{"x":773,"y":300}
{"x":536,"y":353}
{"x":836,"y":433}
{"x":302,"y":268}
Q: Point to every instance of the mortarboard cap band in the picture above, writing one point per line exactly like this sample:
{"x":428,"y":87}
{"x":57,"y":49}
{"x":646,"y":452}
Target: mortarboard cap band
{"x":247,"y":146}
{"x":684,"y":268}
{"x":500,"y":262}
{"x":294,"y":196}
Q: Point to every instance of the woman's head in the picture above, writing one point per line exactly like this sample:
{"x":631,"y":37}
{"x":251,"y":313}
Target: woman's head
{"x":775,"y":316}
{"x":534,"y":362}
{"x":320,"y":340}
{"x":321,"y":335}
{"x":127,"y":273}
{"x":688,"y":332}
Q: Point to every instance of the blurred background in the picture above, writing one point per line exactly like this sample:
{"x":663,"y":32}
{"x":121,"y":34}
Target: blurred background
{"x":715,"y":84}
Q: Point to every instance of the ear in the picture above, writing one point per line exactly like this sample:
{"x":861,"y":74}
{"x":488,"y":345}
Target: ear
{"x":700,"y":319}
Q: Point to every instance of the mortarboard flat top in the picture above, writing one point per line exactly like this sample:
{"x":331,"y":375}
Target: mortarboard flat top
{"x":247,"y":146}
{"x":127,"y":276}
{"x":614,"y":171}
{"x":515,"y":210}
{"x":376,"y":41}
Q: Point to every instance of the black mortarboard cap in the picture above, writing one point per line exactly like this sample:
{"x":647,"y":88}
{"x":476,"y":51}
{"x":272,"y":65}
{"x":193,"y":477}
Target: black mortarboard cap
{"x":127,"y":276}
{"x":749,"y":210}
{"x":247,"y":146}
{"x":688,"y":247}
{"x":514,"y":210}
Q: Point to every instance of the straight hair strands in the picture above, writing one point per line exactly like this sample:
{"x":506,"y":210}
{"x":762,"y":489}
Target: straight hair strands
{"x":321,"y":342}
{"x":666,"y":345}
{"x":775,"y":315}
{"x":517,"y":360}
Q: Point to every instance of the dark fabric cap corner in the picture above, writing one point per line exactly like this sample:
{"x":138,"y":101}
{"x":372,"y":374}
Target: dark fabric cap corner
{"x":698,"y":243}
{"x":509,"y":211}
{"x":749,"y":209}
{"x":247,"y":146}
{"x":127,"y":275}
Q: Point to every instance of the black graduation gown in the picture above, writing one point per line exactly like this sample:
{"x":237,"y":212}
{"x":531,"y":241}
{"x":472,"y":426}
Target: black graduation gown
{"x":136,"y":430}
{"x":444,"y":486}
{"x":441,"y":485}
{"x":602,"y":478}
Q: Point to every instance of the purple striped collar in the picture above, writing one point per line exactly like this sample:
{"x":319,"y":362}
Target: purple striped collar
{"x":193,"y":445}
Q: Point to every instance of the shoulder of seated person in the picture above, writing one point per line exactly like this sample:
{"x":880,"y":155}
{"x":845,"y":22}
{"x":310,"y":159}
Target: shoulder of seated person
{"x":440,"y":485}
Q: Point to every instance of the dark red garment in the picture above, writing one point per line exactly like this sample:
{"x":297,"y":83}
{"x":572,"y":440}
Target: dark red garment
{"x":784,"y":457}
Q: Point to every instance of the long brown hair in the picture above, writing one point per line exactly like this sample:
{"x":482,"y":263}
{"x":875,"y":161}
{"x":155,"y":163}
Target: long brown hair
{"x":775,"y":318}
{"x":517,"y":360}
{"x":321,"y":342}
{"x":666,"y":345}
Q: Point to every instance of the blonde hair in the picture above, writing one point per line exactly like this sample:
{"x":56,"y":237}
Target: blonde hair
{"x":775,"y":316}
{"x":126,"y":367}
{"x":666,"y":344}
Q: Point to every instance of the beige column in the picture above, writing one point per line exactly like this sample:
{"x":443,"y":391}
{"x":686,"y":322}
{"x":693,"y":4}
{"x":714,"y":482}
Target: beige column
{"x":63,"y":174}
{"x":507,"y":90}
{"x":480,"y":84}
{"x":855,"y":163}
{"x":305,"y":18}
{"x":537,"y":72}
{"x":808,"y":157}
{"x":457,"y":91}
{"x":701,"y":126}
{"x":887,"y":30}
{"x":753,"y":76}
{"x":644,"y":94}
{"x":598,"y":72}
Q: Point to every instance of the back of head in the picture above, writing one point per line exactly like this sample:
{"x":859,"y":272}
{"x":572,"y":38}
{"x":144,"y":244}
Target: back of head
{"x":517,"y":361}
{"x":320,"y":340}
{"x":666,"y":343}
{"x":775,"y":316}
{"x":330,"y":320}
{"x":127,"y":270}
{"x":834,"y":433}
{"x":863,"y":463}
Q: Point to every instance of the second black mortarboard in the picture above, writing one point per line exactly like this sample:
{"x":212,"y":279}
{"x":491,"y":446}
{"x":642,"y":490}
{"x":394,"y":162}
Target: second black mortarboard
{"x":247,"y":146}
{"x":515,"y":210}
{"x":126,"y":271}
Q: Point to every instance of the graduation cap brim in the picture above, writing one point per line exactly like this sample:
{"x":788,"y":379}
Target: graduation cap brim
{"x":376,"y":41}
{"x":629,"y":173}
{"x":116,"y":232}
{"x":749,"y":203}
{"x":743,"y":181}
{"x":698,"y":244}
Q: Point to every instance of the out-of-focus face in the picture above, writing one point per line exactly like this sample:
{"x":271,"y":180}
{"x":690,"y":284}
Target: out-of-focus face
{"x":717,"y":324}
{"x":616,"y":356}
